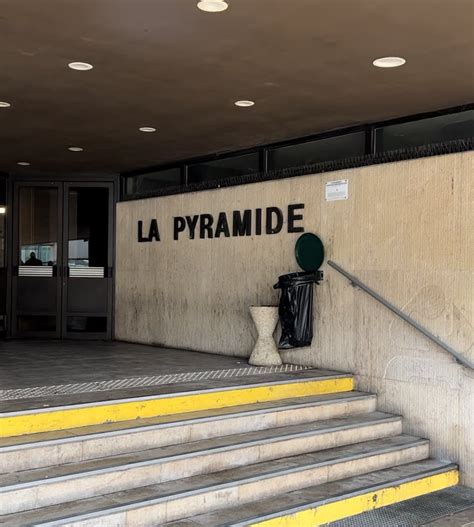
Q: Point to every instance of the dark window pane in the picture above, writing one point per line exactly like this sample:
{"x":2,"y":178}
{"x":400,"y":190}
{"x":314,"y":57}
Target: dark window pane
{"x":3,"y":192}
{"x":3,"y":212}
{"x":425,"y":131}
{"x":38,"y":226}
{"x":87,"y":324}
{"x":34,"y":323}
{"x":3,"y":292}
{"x":3,"y":271}
{"x":88,"y":227}
{"x":328,"y":149}
{"x":222,"y":168}
{"x":147,"y":183}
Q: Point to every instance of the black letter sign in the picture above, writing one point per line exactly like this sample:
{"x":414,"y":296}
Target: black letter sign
{"x":206,"y":226}
{"x":270,"y":229}
{"x":179,"y":226}
{"x":153,"y":233}
{"x":242,"y":223}
{"x":292,"y":217}
{"x":140,"y":232}
{"x":222,"y":226}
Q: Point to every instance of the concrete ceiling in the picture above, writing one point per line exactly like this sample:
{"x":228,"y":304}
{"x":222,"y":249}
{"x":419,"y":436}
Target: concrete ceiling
{"x":163,"y":63}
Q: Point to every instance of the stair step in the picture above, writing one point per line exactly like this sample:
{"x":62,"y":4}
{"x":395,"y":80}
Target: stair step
{"x":172,"y":500}
{"x":82,"y":444}
{"x":46,"y":486}
{"x":322,"y":504}
{"x":172,"y":400}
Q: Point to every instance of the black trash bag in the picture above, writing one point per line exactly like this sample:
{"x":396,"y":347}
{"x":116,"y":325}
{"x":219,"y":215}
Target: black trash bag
{"x":296,"y":308}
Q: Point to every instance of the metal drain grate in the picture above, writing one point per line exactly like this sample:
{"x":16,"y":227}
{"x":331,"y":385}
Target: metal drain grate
{"x":415,"y":512}
{"x":142,"y":382}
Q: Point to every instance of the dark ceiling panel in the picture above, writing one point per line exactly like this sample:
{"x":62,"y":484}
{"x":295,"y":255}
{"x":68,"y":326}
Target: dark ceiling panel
{"x":164,"y":63}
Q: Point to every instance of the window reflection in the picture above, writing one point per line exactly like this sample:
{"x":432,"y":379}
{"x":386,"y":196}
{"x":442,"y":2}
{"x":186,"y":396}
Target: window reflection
{"x":145,"y":183}
{"x":425,"y":131}
{"x":329,"y":149}
{"x":38,"y":226}
{"x":88,"y":227}
{"x":226,"y":167}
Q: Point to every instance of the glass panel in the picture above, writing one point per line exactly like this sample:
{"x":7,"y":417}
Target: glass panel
{"x":222,"y":168}
{"x":425,"y":131}
{"x":87,"y":324}
{"x":146,"y":183}
{"x":329,"y":149}
{"x":88,"y":227}
{"x":3,"y":212}
{"x":3,"y":271}
{"x":38,"y":226}
{"x":33,"y":323}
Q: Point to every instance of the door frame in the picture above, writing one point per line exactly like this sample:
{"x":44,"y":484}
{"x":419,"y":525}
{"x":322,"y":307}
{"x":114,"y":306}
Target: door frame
{"x":108,"y":271}
{"x":63,"y":185}
{"x":17,"y":186}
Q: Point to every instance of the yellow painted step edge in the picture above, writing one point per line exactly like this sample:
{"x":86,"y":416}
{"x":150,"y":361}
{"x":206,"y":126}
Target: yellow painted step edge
{"x":344,"y":508}
{"x":116,"y":411}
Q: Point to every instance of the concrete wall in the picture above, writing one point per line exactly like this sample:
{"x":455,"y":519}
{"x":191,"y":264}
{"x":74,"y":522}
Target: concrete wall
{"x":407,"y":230}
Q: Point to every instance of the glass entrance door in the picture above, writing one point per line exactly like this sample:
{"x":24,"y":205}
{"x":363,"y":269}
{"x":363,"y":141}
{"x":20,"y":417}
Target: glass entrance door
{"x":37,"y":259}
{"x":62,"y":283}
{"x":87,"y":282}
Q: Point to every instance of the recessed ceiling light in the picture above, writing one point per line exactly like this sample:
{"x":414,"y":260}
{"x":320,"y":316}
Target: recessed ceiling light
{"x":212,"y":6}
{"x":389,"y":62}
{"x":4,"y":104}
{"x":75,"y":149}
{"x":23,"y":163}
{"x":244,"y":104}
{"x":147,"y":129}
{"x":80,"y":66}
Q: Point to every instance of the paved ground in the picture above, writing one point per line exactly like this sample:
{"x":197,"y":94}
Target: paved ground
{"x":38,"y":374}
{"x":452,"y":507}
{"x":27,"y":363}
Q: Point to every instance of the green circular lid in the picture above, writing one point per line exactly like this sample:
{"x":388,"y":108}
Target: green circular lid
{"x":309,"y":252}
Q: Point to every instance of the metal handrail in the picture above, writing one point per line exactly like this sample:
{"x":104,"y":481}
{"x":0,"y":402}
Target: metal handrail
{"x":357,"y":283}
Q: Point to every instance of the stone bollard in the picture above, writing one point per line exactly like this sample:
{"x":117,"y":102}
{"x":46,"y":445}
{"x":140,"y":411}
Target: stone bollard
{"x":265,"y":352}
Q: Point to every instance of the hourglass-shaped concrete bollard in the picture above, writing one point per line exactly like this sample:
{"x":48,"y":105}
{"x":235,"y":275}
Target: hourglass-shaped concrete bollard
{"x":265,"y":352}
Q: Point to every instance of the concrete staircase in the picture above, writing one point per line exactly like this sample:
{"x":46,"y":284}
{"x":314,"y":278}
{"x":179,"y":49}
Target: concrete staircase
{"x":305,"y":449}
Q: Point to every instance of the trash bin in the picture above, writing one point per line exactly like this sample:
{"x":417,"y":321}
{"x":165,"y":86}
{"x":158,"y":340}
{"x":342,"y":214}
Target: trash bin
{"x":296,"y":308}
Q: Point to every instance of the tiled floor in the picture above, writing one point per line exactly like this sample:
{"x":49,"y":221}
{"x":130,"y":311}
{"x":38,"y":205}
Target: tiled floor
{"x":35,"y":363}
{"x":38,"y":374}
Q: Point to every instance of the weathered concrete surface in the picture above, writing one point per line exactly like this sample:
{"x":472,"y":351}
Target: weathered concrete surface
{"x":407,"y":230}
{"x":265,"y":351}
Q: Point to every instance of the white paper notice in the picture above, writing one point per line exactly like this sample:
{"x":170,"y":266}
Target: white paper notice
{"x":336,"y":190}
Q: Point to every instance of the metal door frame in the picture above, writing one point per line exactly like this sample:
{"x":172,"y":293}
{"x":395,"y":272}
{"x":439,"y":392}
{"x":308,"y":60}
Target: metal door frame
{"x":62,"y":187}
{"x":17,"y":185}
{"x":107,"y":335}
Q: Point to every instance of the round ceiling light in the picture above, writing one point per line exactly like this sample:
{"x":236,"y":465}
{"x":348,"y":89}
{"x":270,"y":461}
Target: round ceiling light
{"x":212,"y":6}
{"x":389,"y":62}
{"x":147,"y":129}
{"x":244,"y":104}
{"x":4,"y":104}
{"x":80,"y":66}
{"x":23,"y":163}
{"x":75,"y":149}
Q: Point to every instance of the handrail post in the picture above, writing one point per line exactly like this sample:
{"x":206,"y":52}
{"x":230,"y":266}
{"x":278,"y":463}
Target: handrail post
{"x":355,"y":282}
